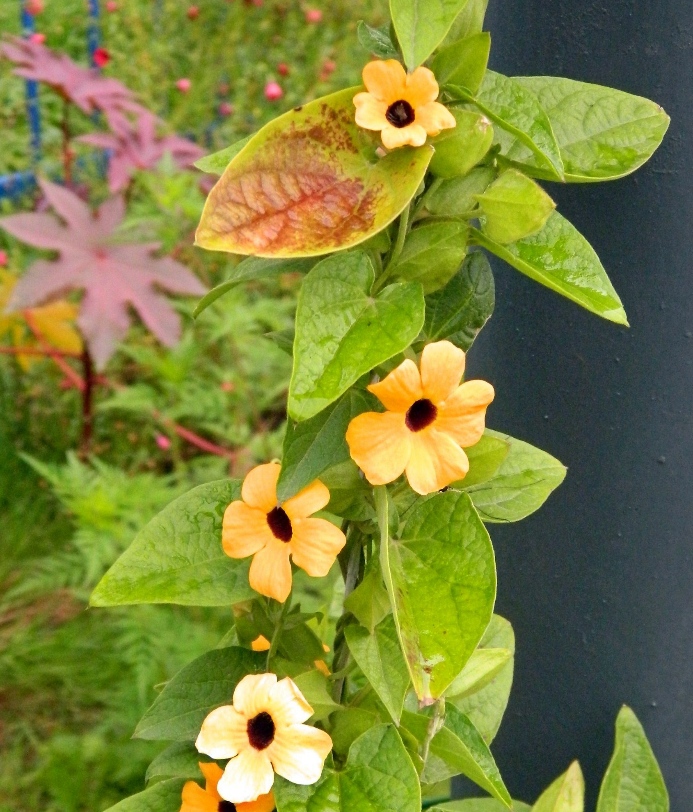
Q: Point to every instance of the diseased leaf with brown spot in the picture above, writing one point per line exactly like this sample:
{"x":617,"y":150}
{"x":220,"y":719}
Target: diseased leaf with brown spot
{"x":308,"y":183}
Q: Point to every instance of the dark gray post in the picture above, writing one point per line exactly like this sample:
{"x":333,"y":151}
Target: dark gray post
{"x":599,"y":584}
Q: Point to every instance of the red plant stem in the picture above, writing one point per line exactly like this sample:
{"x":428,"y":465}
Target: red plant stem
{"x":55,"y":355}
{"x":37,"y":351}
{"x":195,"y":439}
{"x":87,"y":399}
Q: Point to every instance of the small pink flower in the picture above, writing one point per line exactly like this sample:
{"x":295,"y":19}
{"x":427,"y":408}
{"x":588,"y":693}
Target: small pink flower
{"x":313,"y":15}
{"x":273,"y":91}
{"x":227,"y":386}
{"x":111,"y":6}
{"x":329,"y":66}
{"x":101,"y":57}
{"x":184,"y":85}
{"x":37,"y":38}
{"x":34,"y":7}
{"x":283,"y":69}
{"x":3,"y":259}
{"x":225,"y":109}
{"x":163,"y":442}
{"x":193,"y":12}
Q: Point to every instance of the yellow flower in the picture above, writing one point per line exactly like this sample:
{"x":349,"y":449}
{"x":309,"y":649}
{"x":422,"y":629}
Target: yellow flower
{"x":196,"y":799}
{"x":272,"y":533}
{"x":403,"y":107}
{"x":430,"y":418}
{"x":263,"y":733}
{"x":261,"y":643}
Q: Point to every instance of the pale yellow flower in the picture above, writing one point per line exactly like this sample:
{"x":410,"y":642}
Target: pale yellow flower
{"x":430,"y":418}
{"x":401,"y":106}
{"x":263,"y":733}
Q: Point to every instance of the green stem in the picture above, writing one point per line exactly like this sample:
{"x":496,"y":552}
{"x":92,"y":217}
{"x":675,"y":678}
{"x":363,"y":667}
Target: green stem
{"x":396,"y":248}
{"x":278,"y":631}
{"x":434,"y":726}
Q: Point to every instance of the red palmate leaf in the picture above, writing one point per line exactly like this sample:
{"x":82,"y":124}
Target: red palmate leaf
{"x":112,"y":276}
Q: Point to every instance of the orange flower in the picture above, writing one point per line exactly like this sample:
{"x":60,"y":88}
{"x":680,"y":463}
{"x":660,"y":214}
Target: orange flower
{"x":263,"y":733}
{"x":402,"y":107}
{"x":261,"y":643}
{"x":430,"y":418}
{"x":196,"y":799}
{"x":273,"y":533}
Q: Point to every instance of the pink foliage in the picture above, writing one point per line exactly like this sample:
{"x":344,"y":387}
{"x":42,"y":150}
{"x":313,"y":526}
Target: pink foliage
{"x":113,"y":276}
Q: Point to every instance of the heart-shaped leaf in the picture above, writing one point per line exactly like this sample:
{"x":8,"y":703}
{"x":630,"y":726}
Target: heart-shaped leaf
{"x":342,"y":331}
{"x":310,"y":182}
{"x":421,"y":25}
{"x":178,"y":760}
{"x":162,"y":797}
{"x":463,"y":62}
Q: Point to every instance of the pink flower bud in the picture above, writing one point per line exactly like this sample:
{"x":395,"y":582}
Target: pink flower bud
{"x":3,"y":259}
{"x":283,"y":69}
{"x":225,"y":109}
{"x":111,"y":6}
{"x":37,"y":38}
{"x":329,"y":66}
{"x":313,"y":15}
{"x":101,"y":57}
{"x":163,"y":442}
{"x":227,"y":386}
{"x":184,"y":85}
{"x":273,"y":91}
{"x":34,"y":7}
{"x":193,"y":12}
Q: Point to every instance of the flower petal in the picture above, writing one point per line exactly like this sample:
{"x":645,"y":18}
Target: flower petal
{"x":252,"y":695}
{"x":385,"y":79}
{"x":212,"y":773}
{"x":370,"y":112}
{"x":223,"y":733}
{"x":260,"y":486}
{"x":398,"y":390}
{"x":422,"y":88}
{"x":299,"y":752}
{"x":261,"y":643}
{"x":442,"y":367}
{"x":288,"y":706}
{"x":434,"y":117}
{"x":244,"y":530}
{"x":246,"y":777}
{"x":308,"y":501}
{"x":270,"y":572}
{"x":195,"y":799}
{"x":265,"y":803}
{"x":436,"y":461}
{"x":463,"y":414}
{"x":315,"y":545}
{"x":414,"y":135}
{"x":380,"y":445}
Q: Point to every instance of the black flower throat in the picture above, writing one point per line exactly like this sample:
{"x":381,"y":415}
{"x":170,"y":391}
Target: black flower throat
{"x":420,"y":415}
{"x":280,"y":524}
{"x":400,"y":114}
{"x":261,"y":730}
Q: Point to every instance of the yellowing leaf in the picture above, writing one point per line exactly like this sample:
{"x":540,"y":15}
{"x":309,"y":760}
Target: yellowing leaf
{"x":310,"y":182}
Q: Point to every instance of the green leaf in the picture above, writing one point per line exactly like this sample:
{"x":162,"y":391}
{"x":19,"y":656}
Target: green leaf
{"x":204,"y":684}
{"x":310,"y":182}
{"x":633,"y":780}
{"x":376,"y":41}
{"x":485,"y":458}
{"x":216,"y":163}
{"x":463,"y":62}
{"x":486,"y":706}
{"x":314,"y":687}
{"x":378,"y":774}
{"x":514,"y":207}
{"x":480,"y":670}
{"x":479,"y":805}
{"x":603,"y":133}
{"x":421,"y":25}
{"x":315,"y":445}
{"x":470,"y":21}
{"x":284,"y":339}
{"x":521,"y":485}
{"x":459,"y":149}
{"x":162,"y":797}
{"x":348,"y":724}
{"x":560,"y":258}
{"x":566,"y":794}
{"x":459,"y":748}
{"x":442,"y":585}
{"x":456,"y":197}
{"x":432,"y":254}
{"x":178,"y":760}
{"x":178,"y":558}
{"x":250,"y":270}
{"x":350,"y":493}
{"x":459,"y":311}
{"x":379,"y":656}
{"x":369,"y":602}
{"x":343,"y":332}
{"x":516,"y":109}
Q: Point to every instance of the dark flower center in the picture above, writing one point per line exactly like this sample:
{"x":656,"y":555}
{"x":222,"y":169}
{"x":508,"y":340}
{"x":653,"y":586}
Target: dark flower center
{"x":261,"y":730}
{"x":226,"y":806}
{"x":400,"y":114}
{"x":280,"y":524}
{"x":420,"y":415}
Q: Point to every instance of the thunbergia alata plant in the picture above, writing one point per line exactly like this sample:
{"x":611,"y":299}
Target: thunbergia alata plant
{"x":383,"y":196}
